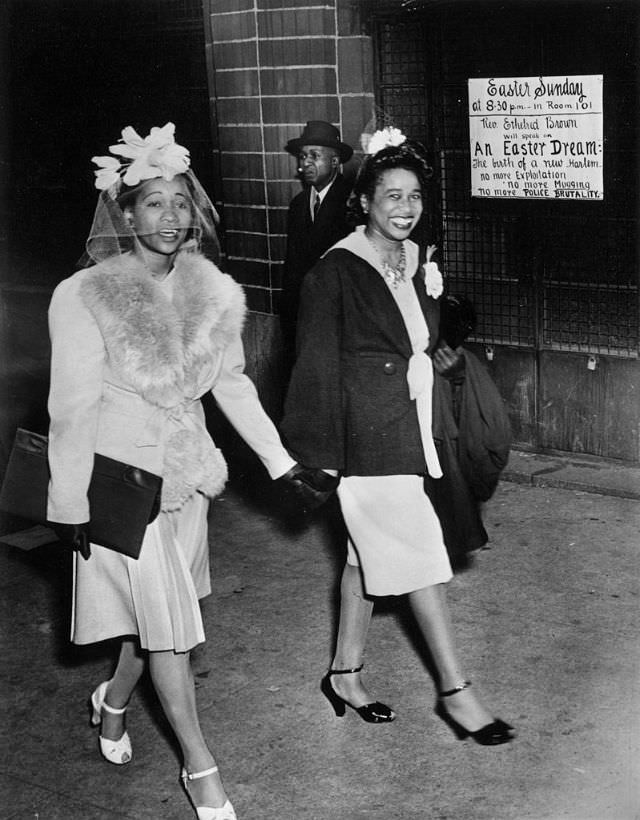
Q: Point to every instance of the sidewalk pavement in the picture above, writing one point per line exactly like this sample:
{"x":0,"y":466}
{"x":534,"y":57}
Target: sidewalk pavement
{"x":572,"y":472}
{"x":546,"y":621}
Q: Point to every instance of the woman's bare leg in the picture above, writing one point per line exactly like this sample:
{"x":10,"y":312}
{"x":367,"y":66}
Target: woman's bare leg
{"x":353,"y":626}
{"x":429,"y":606}
{"x":127,"y":674}
{"x":173,"y":681}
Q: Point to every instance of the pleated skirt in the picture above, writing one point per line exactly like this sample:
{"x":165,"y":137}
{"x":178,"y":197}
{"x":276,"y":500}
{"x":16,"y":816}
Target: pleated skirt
{"x":394,"y":534}
{"x":154,"y":597}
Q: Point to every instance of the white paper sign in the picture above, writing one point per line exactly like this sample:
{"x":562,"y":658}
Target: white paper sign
{"x":536,"y":137}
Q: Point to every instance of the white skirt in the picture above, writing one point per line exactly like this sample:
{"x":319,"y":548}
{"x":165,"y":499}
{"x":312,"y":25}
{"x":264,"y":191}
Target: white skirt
{"x":154,"y":597}
{"x":394,"y":534}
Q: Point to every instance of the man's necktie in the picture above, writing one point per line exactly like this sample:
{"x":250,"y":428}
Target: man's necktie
{"x":316,"y":206}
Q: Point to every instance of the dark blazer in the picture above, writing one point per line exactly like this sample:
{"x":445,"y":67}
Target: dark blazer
{"x":348,"y":405}
{"x":307,"y":240}
{"x":473,"y":449}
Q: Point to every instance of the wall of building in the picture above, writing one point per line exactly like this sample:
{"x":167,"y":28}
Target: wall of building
{"x":274,"y":65}
{"x":555,"y":283}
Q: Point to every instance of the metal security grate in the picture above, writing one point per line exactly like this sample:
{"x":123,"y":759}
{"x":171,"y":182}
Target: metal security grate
{"x":543,"y":275}
{"x":590,"y":301}
{"x":485,"y":261}
{"x":402,"y":66}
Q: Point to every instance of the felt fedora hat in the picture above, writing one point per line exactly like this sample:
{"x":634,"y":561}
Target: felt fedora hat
{"x":317,"y":132}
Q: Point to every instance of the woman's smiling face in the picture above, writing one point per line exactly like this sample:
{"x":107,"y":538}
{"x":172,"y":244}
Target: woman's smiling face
{"x":396,"y":206}
{"x":161,"y":215}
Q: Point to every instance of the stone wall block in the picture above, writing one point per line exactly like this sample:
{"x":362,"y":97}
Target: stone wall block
{"x":302,"y":51}
{"x":239,"y":26}
{"x":239,"y":110}
{"x":239,"y":138}
{"x":355,"y":64}
{"x":242,"y":83}
{"x":215,"y":7}
{"x":356,"y":113}
{"x":278,"y":219}
{"x":277,"y":136}
{"x":300,"y":109}
{"x":252,"y":246}
{"x":278,"y":249}
{"x":243,"y":166}
{"x":291,"y":4}
{"x":281,"y":193}
{"x":245,"y":218}
{"x":282,"y":23}
{"x":259,"y":300}
{"x":248,"y":272}
{"x":235,"y":55}
{"x":349,"y":20}
{"x":316,"y":80}
{"x":243,"y":190}
{"x":280,"y":166}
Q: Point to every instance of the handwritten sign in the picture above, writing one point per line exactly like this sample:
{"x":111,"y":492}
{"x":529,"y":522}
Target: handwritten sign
{"x":536,"y":137}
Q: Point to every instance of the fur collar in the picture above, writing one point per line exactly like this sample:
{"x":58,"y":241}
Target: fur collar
{"x":157,"y":343}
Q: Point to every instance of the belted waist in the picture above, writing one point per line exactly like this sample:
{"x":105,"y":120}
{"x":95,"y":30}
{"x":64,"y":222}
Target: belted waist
{"x":420,"y":383}
{"x":157,"y":422}
{"x":129,"y":403}
{"x":419,"y":374}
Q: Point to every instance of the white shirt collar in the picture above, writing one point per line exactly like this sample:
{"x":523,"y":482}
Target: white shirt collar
{"x":357,"y":243}
{"x":319,"y":194}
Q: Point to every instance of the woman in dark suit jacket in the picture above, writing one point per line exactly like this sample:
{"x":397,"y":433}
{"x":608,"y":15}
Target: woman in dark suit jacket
{"x":359,"y":405}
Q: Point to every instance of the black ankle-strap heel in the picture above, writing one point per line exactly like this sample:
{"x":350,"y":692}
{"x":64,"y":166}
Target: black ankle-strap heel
{"x":493,"y":734}
{"x":371,"y":712}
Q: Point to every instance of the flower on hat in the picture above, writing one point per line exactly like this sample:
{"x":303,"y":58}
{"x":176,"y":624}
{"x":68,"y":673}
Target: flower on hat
{"x":156,"y":155}
{"x":386,"y":138}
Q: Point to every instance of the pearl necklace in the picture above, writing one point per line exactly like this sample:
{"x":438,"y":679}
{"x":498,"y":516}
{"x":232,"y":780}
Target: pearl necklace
{"x":392,"y":276}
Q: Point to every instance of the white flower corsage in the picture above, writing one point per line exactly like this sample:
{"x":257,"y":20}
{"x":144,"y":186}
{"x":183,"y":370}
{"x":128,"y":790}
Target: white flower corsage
{"x":432,"y":275}
{"x":156,"y":155}
{"x":386,"y":138}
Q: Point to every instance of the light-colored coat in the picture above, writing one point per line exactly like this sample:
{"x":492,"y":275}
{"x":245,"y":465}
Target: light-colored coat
{"x":131,"y":358}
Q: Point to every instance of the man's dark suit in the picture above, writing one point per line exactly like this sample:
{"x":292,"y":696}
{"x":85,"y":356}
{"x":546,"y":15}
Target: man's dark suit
{"x":307,"y":240}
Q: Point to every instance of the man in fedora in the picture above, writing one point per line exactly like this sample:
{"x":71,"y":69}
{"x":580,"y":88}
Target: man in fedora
{"x":317,"y":215}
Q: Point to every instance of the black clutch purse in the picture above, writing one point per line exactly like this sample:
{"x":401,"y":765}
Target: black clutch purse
{"x":123,"y":499}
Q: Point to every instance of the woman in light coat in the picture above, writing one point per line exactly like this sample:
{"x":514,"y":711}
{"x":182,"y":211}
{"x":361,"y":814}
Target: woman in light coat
{"x":137,"y":339}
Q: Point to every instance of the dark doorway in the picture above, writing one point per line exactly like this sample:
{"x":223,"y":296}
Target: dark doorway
{"x":78,"y":72}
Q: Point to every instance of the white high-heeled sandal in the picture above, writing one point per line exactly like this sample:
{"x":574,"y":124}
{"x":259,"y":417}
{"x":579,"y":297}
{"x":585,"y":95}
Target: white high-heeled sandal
{"x":225,"y":812}
{"x":115,"y":751}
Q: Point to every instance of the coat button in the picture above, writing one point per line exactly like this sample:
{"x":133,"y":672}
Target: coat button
{"x":389,"y":368}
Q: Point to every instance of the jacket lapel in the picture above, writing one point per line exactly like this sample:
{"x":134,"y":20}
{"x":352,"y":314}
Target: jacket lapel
{"x":335,"y":198}
{"x":381,"y":307}
{"x":383,"y":310}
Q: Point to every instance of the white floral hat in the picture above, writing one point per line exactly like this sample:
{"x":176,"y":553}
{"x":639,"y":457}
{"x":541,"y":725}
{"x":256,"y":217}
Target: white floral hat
{"x":385,"y":138}
{"x":140,"y":159}
{"x":156,"y":155}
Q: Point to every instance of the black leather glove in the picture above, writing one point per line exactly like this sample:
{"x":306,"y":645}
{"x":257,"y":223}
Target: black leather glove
{"x":448,"y":362}
{"x":312,"y":487}
{"x":74,"y":536}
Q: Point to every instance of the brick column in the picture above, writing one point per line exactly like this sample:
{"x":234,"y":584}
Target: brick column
{"x":273,"y":65}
